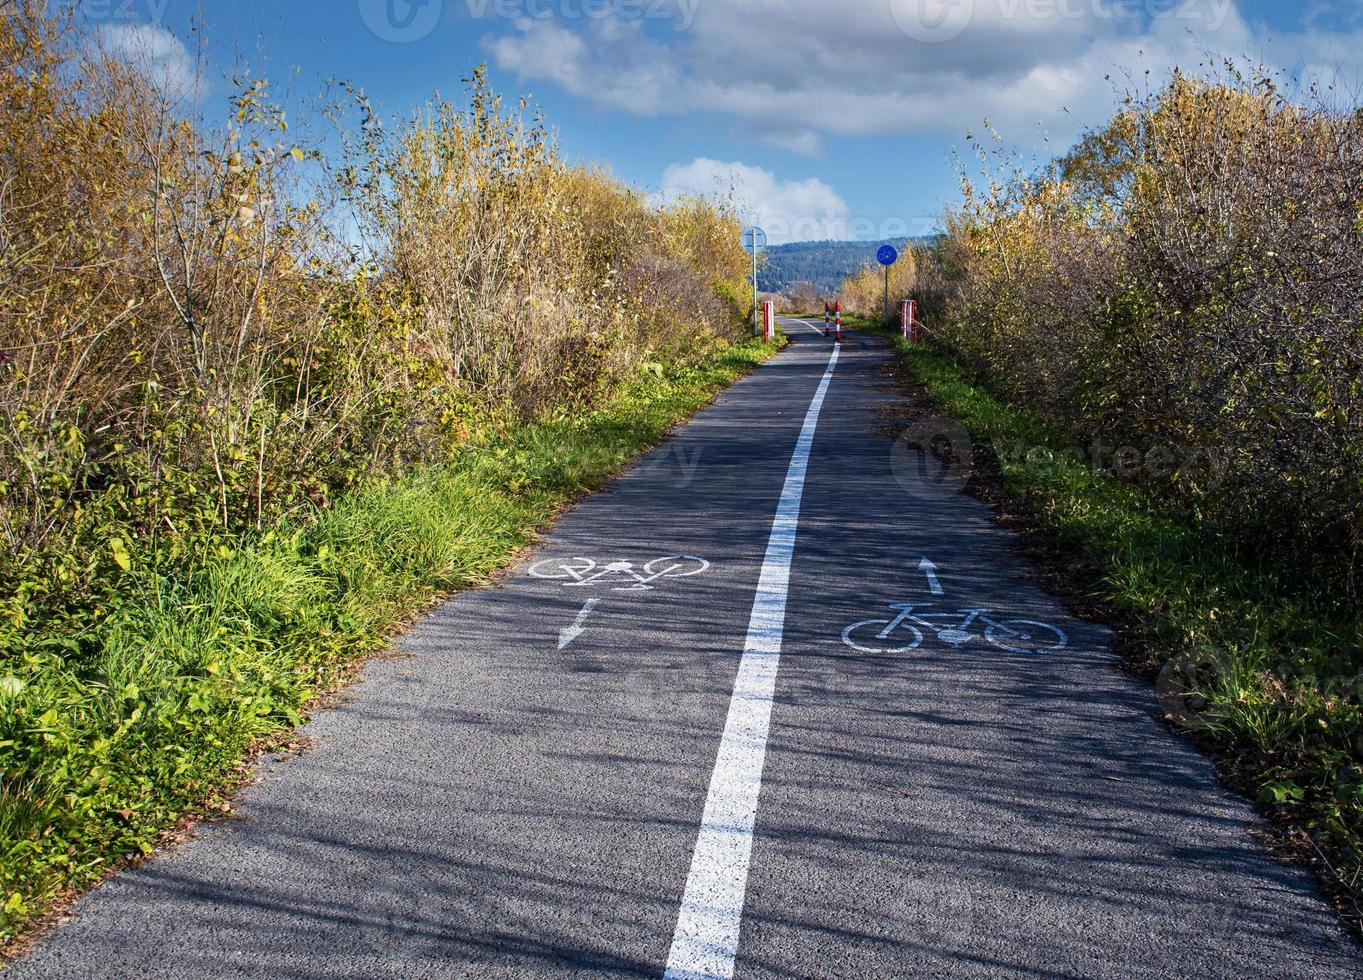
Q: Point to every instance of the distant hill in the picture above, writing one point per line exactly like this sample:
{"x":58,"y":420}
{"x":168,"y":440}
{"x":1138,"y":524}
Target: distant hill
{"x":822,"y":264}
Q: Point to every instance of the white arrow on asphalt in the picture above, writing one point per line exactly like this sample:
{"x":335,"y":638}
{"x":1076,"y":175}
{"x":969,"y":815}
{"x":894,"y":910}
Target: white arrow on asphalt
{"x":930,"y":570}
{"x":571,"y":633}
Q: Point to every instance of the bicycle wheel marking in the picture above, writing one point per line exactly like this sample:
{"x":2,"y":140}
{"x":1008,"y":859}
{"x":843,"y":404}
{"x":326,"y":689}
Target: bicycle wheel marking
{"x":1026,"y":636}
{"x":905,"y":632}
{"x":620,"y":575}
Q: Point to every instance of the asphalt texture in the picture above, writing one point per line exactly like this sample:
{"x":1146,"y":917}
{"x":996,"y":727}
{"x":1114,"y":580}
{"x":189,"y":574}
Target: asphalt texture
{"x":486,"y":803}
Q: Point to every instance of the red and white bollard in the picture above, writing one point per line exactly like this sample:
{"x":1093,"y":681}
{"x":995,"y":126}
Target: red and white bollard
{"x":827,"y":319}
{"x":768,"y":321}
{"x":908,"y":320}
{"x":837,"y":312}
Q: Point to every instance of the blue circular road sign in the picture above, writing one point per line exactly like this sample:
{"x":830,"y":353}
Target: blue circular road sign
{"x":887,"y":255}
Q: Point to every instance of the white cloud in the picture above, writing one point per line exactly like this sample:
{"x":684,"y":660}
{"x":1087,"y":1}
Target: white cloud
{"x":797,"y":72}
{"x":789,"y":210}
{"x":613,"y":62}
{"x":156,"y":51}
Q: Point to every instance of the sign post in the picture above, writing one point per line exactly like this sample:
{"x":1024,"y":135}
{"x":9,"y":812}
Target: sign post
{"x":754,"y":241}
{"x":887,"y":256}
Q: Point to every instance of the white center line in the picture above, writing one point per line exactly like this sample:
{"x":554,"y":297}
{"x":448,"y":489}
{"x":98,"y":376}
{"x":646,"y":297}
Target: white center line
{"x":705,"y":943}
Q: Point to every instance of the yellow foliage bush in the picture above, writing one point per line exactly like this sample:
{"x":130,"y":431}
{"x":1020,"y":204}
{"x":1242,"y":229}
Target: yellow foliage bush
{"x":205,"y":326}
{"x":1188,"y":278}
{"x":863,"y":293}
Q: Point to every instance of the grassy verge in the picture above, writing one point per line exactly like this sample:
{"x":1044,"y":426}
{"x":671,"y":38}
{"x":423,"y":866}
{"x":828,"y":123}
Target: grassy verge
{"x":105,"y":753}
{"x":1263,"y":673}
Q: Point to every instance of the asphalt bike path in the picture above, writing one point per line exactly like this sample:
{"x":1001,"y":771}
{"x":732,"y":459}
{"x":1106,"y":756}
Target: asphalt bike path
{"x":682,"y":738}
{"x":977,"y":806}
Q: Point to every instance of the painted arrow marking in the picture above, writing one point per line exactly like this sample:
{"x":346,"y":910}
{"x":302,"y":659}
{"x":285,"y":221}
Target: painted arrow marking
{"x":571,"y":633}
{"x":930,"y":570}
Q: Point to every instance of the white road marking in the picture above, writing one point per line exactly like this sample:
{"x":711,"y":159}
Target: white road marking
{"x":817,"y":330}
{"x":928,"y":568}
{"x":1023,"y":636}
{"x":580,"y":572}
{"x":571,"y":633}
{"x":705,"y":943}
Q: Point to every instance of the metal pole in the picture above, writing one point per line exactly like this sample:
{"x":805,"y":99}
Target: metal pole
{"x":754,"y":285}
{"x":887,"y":294}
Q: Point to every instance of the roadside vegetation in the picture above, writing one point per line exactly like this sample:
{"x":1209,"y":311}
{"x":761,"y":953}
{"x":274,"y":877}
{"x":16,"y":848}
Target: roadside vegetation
{"x":1159,"y":337}
{"x":816,"y":269}
{"x":1250,"y":665}
{"x":863,"y":292}
{"x":260,"y":403}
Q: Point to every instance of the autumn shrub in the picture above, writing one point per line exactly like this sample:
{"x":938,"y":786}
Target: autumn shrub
{"x":800,"y":298}
{"x":1189,"y":276}
{"x":258,"y":402}
{"x":863,"y":292}
{"x":207,"y":327}
{"x":531,"y":272}
{"x":1180,"y":298}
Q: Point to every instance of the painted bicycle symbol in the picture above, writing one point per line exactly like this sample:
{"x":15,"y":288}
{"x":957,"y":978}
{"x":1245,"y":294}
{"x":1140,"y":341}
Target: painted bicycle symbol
{"x":903,"y":633}
{"x":581,"y":572}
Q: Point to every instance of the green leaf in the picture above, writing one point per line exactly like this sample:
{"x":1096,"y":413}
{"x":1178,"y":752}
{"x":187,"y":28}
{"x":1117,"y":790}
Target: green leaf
{"x":11,"y":686}
{"x":1282,"y":792}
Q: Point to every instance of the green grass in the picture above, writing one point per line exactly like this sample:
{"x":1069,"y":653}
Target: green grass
{"x":1265,"y":672}
{"x":110,"y":739}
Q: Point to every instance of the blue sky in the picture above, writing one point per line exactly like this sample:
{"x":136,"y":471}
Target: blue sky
{"x":833,"y":119}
